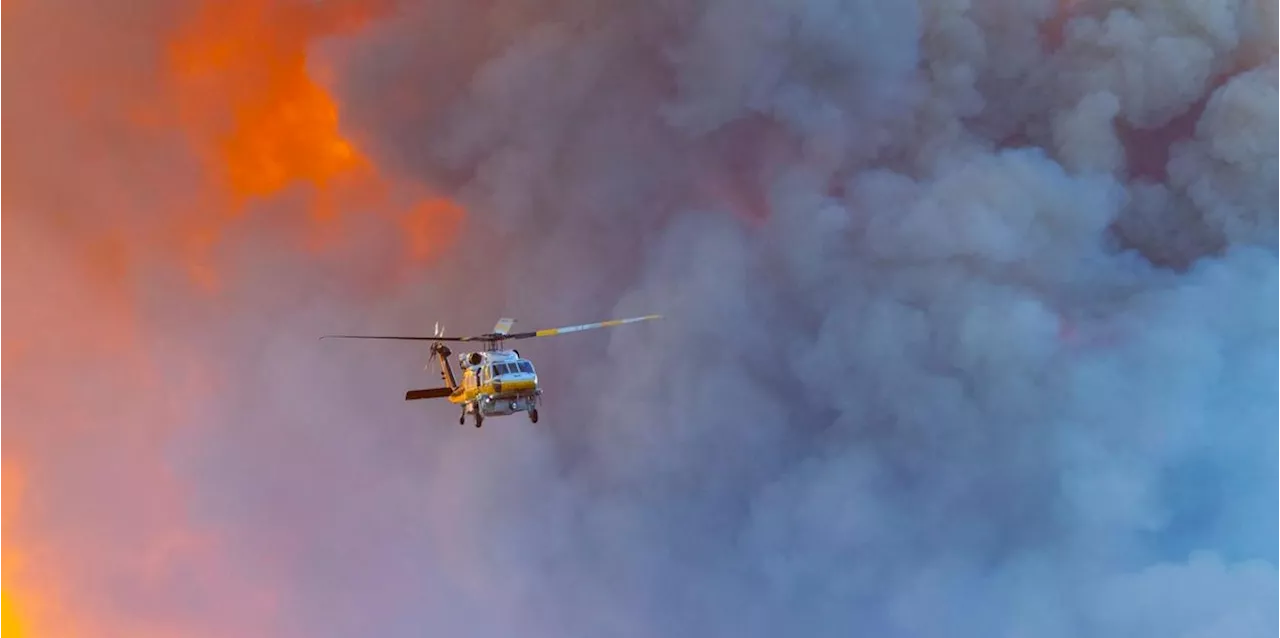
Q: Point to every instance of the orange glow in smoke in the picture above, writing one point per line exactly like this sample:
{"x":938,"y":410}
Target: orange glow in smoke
{"x":11,"y":624}
{"x":239,"y":90}
{"x":10,"y":490}
{"x":1053,"y":30}
{"x":429,"y":224}
{"x":243,"y":68}
{"x":249,"y":103}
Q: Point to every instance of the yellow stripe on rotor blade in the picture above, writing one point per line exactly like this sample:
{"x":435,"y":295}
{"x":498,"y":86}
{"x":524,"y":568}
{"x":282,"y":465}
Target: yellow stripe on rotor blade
{"x":588,"y":326}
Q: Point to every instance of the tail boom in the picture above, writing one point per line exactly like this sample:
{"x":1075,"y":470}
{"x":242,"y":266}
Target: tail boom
{"x":433,"y":393}
{"x":441,"y":352}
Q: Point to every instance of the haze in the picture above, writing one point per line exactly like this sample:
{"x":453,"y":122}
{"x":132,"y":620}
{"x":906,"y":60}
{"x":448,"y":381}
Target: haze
{"x":970,"y":317}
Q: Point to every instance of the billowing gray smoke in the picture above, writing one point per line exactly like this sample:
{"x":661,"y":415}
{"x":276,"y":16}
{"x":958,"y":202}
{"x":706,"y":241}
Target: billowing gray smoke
{"x":970,"y":328}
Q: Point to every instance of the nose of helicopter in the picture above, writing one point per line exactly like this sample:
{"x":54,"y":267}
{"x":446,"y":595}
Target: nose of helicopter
{"x":515,"y":383}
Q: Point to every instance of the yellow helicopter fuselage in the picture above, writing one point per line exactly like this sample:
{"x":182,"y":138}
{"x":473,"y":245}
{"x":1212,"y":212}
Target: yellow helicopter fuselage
{"x":500,"y":383}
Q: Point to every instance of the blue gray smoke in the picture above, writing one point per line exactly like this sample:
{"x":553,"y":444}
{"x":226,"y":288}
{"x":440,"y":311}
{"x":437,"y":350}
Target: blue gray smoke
{"x":946,"y":352}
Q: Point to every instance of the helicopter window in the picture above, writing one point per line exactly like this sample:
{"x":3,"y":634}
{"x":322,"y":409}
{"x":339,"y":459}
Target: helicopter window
{"x":525,"y":366}
{"x":500,"y":369}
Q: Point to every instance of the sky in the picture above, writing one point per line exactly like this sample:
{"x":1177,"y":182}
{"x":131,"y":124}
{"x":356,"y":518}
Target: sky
{"x":968,"y":317}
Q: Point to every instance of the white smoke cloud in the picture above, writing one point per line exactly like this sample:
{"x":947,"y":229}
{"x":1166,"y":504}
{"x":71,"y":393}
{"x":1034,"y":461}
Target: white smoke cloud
{"x":1223,"y":168}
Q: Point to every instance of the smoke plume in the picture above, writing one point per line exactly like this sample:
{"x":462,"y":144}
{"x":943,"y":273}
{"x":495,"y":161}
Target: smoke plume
{"x":969,"y":317}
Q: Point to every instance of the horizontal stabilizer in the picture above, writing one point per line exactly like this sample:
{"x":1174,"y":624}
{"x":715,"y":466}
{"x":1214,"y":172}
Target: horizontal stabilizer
{"x":433,"y":393}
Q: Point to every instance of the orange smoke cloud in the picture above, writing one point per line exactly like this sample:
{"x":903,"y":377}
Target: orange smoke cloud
{"x":247,"y":99}
{"x":96,"y":506}
{"x":10,"y":487}
{"x":11,"y":623}
{"x":242,"y":68}
{"x":425,"y":224}
{"x":99,"y":198}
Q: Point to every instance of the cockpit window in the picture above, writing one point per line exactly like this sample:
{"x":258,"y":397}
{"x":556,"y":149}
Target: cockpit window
{"x":525,"y":366}
{"x":499,"y":369}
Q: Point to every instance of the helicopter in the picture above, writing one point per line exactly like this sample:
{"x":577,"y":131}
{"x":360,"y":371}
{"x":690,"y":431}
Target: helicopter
{"x":495,"y":382}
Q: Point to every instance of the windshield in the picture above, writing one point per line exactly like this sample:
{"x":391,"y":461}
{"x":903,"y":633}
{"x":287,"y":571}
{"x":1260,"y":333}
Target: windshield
{"x":514,"y":367}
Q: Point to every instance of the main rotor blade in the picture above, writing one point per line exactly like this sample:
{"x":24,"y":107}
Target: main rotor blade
{"x":404,"y":338}
{"x":493,"y":338}
{"x":550,"y":332}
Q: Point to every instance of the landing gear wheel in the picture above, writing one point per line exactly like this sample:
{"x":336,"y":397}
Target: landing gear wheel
{"x":462,"y":420}
{"x":533,"y":415}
